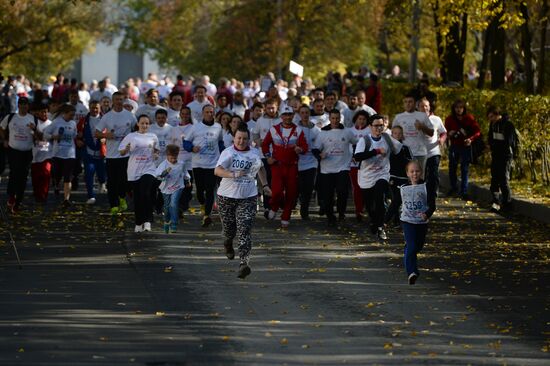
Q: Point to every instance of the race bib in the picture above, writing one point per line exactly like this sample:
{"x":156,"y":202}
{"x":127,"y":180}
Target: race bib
{"x":415,"y":203}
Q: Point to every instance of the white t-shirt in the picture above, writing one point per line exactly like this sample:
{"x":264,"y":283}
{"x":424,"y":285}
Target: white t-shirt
{"x":359,"y":134}
{"x":196,"y":110}
{"x":262,"y":127}
{"x":415,"y":203}
{"x":308,"y":161}
{"x":350,"y":113}
{"x":413,"y":138}
{"x":175,"y":179}
{"x":163,"y":134}
{"x":377,"y":167}
{"x":174,"y":118}
{"x":98,"y":95}
{"x":84,"y":97}
{"x":320,"y":121}
{"x":121,"y":124}
{"x":142,"y":146}
{"x":337,"y":144}
{"x":148,"y":110}
{"x":64,"y":148}
{"x":234,"y":160}
{"x":177,"y":135}
{"x":227,"y":138}
{"x":263,"y":124}
{"x":433,"y":142}
{"x":20,"y":134}
{"x":208,"y":138}
{"x":42,"y":149}
{"x":81,"y":111}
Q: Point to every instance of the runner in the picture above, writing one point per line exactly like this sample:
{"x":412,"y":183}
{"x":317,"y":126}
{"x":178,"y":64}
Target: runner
{"x":414,"y":218}
{"x":205,"y":141}
{"x":174,"y":177}
{"x":152,"y":105}
{"x":41,"y":166}
{"x":17,"y":131}
{"x":63,"y":132}
{"x":360,"y":130}
{"x":198,"y":103}
{"x":434,"y":144}
{"x":373,"y":152}
{"x":307,"y":163}
{"x":176,"y":138}
{"x":335,"y":153}
{"x":417,"y":129}
{"x":237,"y":195}
{"x":114,"y":126}
{"x":94,"y":156}
{"x":282,"y":145}
{"x":143,"y":148}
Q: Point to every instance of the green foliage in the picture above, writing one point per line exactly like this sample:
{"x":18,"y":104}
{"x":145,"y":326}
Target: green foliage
{"x":42,"y":37}
{"x":529,"y":113}
{"x":246,"y":38}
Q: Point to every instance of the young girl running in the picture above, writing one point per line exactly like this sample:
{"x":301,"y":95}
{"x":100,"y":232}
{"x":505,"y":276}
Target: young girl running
{"x":143,"y":148}
{"x":414,"y":218}
{"x":173,"y":176}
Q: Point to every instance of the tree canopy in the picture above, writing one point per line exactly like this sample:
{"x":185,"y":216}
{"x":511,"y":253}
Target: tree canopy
{"x":40,"y":37}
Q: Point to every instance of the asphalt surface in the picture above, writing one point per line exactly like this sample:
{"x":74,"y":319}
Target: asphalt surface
{"x":91,"y":292}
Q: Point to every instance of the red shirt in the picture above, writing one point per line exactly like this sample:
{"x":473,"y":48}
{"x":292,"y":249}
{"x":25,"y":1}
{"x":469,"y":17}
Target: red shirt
{"x":468,"y":128}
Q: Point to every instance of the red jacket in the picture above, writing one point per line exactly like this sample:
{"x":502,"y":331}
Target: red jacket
{"x":468,"y":128}
{"x":283,"y":147}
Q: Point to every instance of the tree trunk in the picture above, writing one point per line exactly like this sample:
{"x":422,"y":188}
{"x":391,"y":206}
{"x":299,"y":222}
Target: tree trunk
{"x":542,"y":49}
{"x":413,"y":65}
{"x":526,"y":47}
{"x":485,"y":57}
{"x":455,"y":49}
{"x":498,"y":54}
{"x":439,"y":42}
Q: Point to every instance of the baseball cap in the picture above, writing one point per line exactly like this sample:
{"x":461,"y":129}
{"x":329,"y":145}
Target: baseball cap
{"x":287,"y":110}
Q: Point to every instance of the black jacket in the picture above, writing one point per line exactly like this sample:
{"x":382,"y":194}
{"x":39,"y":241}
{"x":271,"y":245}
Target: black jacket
{"x":503,"y":148}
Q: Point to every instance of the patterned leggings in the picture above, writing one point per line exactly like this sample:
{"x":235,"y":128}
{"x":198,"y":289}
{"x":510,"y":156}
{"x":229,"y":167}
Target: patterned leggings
{"x":238,"y":216}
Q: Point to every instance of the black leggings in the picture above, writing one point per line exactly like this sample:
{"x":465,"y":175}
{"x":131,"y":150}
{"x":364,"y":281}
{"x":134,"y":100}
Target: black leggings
{"x":205,"y":182}
{"x":117,"y":180}
{"x":143,"y":202}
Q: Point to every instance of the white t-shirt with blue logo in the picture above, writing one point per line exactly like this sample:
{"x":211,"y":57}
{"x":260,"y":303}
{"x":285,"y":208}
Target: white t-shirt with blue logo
{"x":121,"y":124}
{"x":207,"y":138}
{"x":64,"y":148}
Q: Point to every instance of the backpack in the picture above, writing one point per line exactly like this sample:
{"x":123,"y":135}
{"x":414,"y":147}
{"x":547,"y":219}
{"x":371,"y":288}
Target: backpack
{"x":386,"y":138}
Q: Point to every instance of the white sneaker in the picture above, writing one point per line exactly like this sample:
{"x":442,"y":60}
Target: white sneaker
{"x":284,"y":224}
{"x":90,"y":201}
{"x":138,"y":229}
{"x":147,"y":226}
{"x":103,"y":188}
{"x":271,"y":215}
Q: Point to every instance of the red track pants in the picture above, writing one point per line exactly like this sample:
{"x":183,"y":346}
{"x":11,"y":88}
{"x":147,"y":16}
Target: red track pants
{"x":284,"y":188}
{"x":41,"y":175}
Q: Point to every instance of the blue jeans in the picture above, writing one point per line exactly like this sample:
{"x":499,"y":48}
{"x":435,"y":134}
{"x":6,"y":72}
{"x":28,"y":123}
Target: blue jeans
{"x":93,"y":166}
{"x":171,"y":203}
{"x":415,"y":237}
{"x":462,"y":154}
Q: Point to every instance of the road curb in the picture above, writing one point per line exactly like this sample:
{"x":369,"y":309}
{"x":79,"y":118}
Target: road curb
{"x":483,"y":195}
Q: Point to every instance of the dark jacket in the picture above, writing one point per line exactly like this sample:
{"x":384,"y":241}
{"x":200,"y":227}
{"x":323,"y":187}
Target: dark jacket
{"x":503,"y":148}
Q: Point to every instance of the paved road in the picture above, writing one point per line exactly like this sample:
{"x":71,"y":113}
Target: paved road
{"x":91,"y":292}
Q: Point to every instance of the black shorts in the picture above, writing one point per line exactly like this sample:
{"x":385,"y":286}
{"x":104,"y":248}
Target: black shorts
{"x":63,"y":168}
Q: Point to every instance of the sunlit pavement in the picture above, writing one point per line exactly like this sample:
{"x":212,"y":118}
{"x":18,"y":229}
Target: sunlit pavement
{"x":93,"y":292}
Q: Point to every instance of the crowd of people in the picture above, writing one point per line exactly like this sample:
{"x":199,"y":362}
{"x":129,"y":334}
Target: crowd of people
{"x":153,"y":141}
